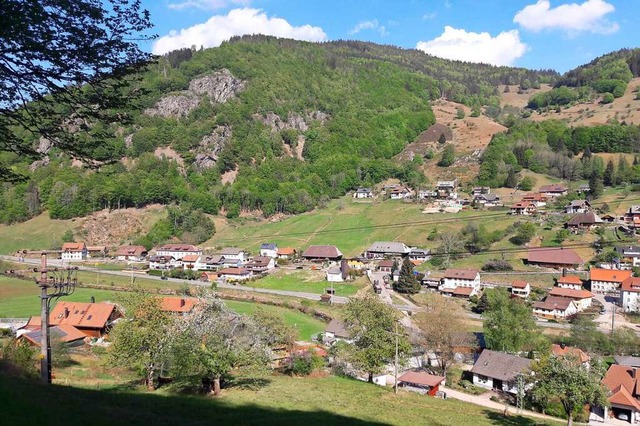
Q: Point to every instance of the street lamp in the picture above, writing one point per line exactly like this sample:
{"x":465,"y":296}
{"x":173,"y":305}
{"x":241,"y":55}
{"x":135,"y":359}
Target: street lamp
{"x":62,"y":282}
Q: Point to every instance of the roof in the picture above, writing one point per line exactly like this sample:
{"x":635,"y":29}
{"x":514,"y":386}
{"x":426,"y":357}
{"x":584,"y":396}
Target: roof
{"x":64,"y":332}
{"x":621,"y":375}
{"x":334,"y":271}
{"x":178,"y":247}
{"x":556,"y":256}
{"x":84,"y":315}
{"x":621,"y":396}
{"x":553,"y":188}
{"x":389,"y":247}
{"x":233,"y":271}
{"x":96,"y":248}
{"x":519,"y":284}
{"x":570,"y":279}
{"x":177,"y":304}
{"x":499,"y":365}
{"x":534,"y":197}
{"x":363,"y":190}
{"x":231,"y":251}
{"x":562,"y":351}
{"x":552,"y":303}
{"x":191,"y":258}
{"x":322,"y":252}
{"x":337,"y":328}
{"x":463,"y":291}
{"x":631,"y":284}
{"x":161,"y":259}
{"x":260,"y":261}
{"x":588,"y":218}
{"x":212,"y":260}
{"x":73,"y":247}
{"x":578,"y":203}
{"x":609,"y":275}
{"x":286,"y":251}
{"x":268,"y":246}
{"x":523,"y":205}
{"x":385,"y":263}
{"x":631,"y":361}
{"x":628,"y":249}
{"x":634,"y":210}
{"x":570,"y":293}
{"x":131,"y":251}
{"x":464,"y":274}
{"x":421,"y":378}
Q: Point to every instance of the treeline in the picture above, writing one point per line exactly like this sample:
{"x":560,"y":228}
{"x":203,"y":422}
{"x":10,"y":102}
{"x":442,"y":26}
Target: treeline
{"x":552,"y":147}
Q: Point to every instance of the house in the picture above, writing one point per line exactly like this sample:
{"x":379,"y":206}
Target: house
{"x":607,"y":280}
{"x":488,"y":200}
{"x":630,"y":294}
{"x":286,"y":252}
{"x":269,"y":249}
{"x":177,"y":304}
{"x":572,"y":282}
{"x":382,"y":249}
{"x":461,"y":292}
{"x":577,"y":206}
{"x":523,"y":208}
{"x":93,"y":319}
{"x":539,"y":200}
{"x":131,"y":253}
{"x":424,"y":194}
{"x":234,"y":274}
{"x":584,"y":189}
{"x":554,"y":307}
{"x":189,"y":261}
{"x":499,"y":371}
{"x":96,"y":251}
{"x":322,"y":253}
{"x":356,"y":264}
{"x":520,"y":289}
{"x":582,"y":298}
{"x":629,"y":255}
{"x":419,"y":255}
{"x":400,"y":192}
{"x":64,"y":333}
{"x":586,"y":220}
{"x":363,"y":193}
{"x":480,"y":190}
{"x":74,"y":251}
{"x":453,"y":278}
{"x":554,"y":190}
{"x":209,"y":263}
{"x":554,"y":258}
{"x":562,"y":351}
{"x":235,"y":253}
{"x":335,"y":331}
{"x":447,"y":189}
{"x":632,"y":213}
{"x":629,"y":361}
{"x":420,"y":381}
{"x":335,"y":275}
{"x":162,"y":262}
{"x":178,"y":251}
{"x":385,"y":266}
{"x":622,"y":382}
{"x":261,"y":264}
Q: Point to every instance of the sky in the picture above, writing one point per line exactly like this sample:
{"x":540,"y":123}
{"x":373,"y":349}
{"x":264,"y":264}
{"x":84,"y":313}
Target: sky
{"x":539,"y":34}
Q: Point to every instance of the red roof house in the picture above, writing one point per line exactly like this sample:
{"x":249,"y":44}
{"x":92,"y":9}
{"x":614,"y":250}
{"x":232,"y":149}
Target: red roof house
{"x":421,"y":382}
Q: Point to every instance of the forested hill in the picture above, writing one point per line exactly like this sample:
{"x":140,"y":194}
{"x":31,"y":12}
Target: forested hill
{"x":257,"y":124}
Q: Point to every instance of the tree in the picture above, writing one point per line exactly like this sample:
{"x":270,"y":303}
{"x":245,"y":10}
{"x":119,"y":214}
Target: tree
{"x":276,"y":329}
{"x":609,"y":174}
{"x":573,"y":384}
{"x":441,"y":330}
{"x":508,"y":324}
{"x":460,"y":113}
{"x":448,"y":156}
{"x":512,"y":178}
{"x":442,"y":139}
{"x":527,"y":183}
{"x":596,"y":186}
{"x":67,"y":65}
{"x":525,"y":233}
{"x":141,"y":341}
{"x":372,"y":325}
{"x":67,"y":237}
{"x":407,"y":281}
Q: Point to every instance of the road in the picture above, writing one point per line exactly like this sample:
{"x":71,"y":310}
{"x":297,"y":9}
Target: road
{"x":297,"y":294}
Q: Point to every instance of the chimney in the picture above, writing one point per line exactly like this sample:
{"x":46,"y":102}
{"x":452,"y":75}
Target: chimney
{"x":563,"y":345}
{"x":633,"y":372}
{"x":564,"y":272}
{"x":66,"y":312}
{"x":93,"y":299}
{"x":182,"y":302}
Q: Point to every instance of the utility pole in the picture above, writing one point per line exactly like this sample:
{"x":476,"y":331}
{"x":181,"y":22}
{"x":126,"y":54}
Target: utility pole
{"x":395,"y":364}
{"x":63,"y":284}
{"x":613,"y":316}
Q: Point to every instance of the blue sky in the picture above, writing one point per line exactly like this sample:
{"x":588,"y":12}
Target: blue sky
{"x":557,"y":34}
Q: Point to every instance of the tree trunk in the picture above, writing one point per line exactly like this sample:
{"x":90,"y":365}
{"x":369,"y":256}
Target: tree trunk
{"x":570,"y":420}
{"x":370,"y":379}
{"x":151,"y":382}
{"x":216,"y":386}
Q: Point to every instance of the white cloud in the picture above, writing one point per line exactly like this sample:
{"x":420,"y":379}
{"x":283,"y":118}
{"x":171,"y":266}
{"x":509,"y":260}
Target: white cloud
{"x":459,"y":44}
{"x":573,"y":17}
{"x":369,"y":25}
{"x":206,"y":4}
{"x":429,"y":16}
{"x":237,"y":22}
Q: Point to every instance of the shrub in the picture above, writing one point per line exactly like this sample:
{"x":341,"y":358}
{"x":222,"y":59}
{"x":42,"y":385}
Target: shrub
{"x":304,"y":364}
{"x":607,"y":98}
{"x":497,"y":265}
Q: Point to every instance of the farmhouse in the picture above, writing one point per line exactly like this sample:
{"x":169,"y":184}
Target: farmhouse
{"x":562,"y":351}
{"x":385,"y":266}
{"x":586,"y":220}
{"x":189,"y":261}
{"x":454,"y":278}
{"x":400,"y":192}
{"x":74,"y":251}
{"x":572,"y":282}
{"x":177,"y":305}
{"x":322,"y":253}
{"x":447,"y":189}
{"x":498,"y":370}
{"x":420,"y":381}
{"x":577,"y":206}
{"x":261,"y":264}
{"x":335,"y":275}
{"x":607,"y":280}
{"x":131,"y":253}
{"x":629,"y":255}
{"x":269,"y":249}
{"x":582,"y":298}
{"x":632,"y":213}
{"x":419,"y":255}
{"x":555,"y":190}
{"x":65,"y":333}
{"x":539,"y":200}
{"x":286,"y":252}
{"x":554,"y":258}
{"x":93,"y":319}
{"x":162,"y":262}
{"x":234,"y":274}
{"x":235,"y":253}
{"x":523,"y":208}
{"x":424,"y":194}
{"x":630,"y":294}
{"x":554,"y":307}
{"x":382,"y":249}
{"x":363,"y":193}
{"x":334,"y":332}
{"x":480,"y":190}
{"x":488,"y":200}
{"x":520,"y":289}
{"x":96,"y":251}
{"x":178,"y":251}
{"x":622,"y":382}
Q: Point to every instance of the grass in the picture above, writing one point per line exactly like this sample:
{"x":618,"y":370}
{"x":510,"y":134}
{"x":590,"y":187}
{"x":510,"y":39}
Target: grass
{"x":280,"y":400}
{"x":305,"y":281}
{"x":38,"y":233}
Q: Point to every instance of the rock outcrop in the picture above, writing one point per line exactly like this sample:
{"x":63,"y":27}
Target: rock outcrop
{"x":294,"y":121}
{"x":210,"y":147}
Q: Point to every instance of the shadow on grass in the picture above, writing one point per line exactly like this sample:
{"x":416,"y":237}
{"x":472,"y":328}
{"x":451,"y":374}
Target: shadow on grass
{"x":497,"y":418}
{"x":74,"y":406}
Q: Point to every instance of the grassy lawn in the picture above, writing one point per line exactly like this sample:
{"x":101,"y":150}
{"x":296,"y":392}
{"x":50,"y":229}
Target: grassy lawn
{"x":39,"y":233}
{"x":281,"y":400}
{"x":306,"y":281}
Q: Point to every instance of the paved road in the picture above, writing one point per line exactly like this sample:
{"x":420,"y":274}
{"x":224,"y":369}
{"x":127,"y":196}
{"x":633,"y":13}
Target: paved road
{"x":298,"y":294}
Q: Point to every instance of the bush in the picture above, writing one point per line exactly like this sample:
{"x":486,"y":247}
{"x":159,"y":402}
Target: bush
{"x":20,"y":357}
{"x":304,"y":364}
{"x":497,"y":265}
{"x":460,"y":114}
{"x":607,"y":98}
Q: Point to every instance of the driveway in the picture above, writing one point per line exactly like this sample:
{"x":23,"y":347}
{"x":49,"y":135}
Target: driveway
{"x":613,"y":313}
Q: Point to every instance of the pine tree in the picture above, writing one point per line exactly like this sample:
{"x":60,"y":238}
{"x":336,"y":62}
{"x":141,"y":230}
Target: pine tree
{"x":442,"y":139}
{"x":595,"y":184}
{"x":609,"y":174}
{"x":407,"y":282}
{"x":512,"y":179}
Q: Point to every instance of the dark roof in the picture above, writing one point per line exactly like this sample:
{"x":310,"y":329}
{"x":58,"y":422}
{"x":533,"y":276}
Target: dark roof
{"x":131,"y":251}
{"x":268,"y":246}
{"x":178,"y":247}
{"x":465,"y":274}
{"x":557,"y":256}
{"x":432,"y":134}
{"x":337,"y":328}
{"x":553,"y":188}
{"x":231,"y":251}
{"x":499,"y":365}
{"x":631,"y":361}
{"x":551,"y":303}
{"x":322,"y":252}
{"x":588,"y":218}
{"x":259,"y":262}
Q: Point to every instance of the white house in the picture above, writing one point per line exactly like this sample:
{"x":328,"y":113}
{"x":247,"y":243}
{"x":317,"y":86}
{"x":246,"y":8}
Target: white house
{"x":630,"y":294}
{"x":334,"y":332}
{"x":209,"y":263}
{"x":447,"y":189}
{"x":335,"y":275}
{"x":629,"y":255}
{"x":500,"y":371}
{"x":577,"y":206}
{"x":419,"y":255}
{"x":461,"y":278}
{"x":363,"y":193}
{"x":572,"y":282}
{"x":400,"y":192}
{"x":521,"y":289}
{"x":523,"y":208}
{"x":131,"y":253}
{"x":554,"y":190}
{"x":178,"y":251}
{"x":235,"y":253}
{"x":554,"y":307}
{"x":382,"y":249}
{"x":74,"y":251}
{"x":607,"y":280}
{"x":162,"y":262}
{"x":424,"y":194}
{"x":269,"y":249}
{"x":582,"y":298}
{"x":234,"y":274}
{"x":261,"y":264}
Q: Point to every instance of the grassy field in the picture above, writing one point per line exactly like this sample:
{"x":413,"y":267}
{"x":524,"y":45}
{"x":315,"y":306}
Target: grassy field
{"x":306,"y":281}
{"x":38,"y":233}
{"x":280,"y":400}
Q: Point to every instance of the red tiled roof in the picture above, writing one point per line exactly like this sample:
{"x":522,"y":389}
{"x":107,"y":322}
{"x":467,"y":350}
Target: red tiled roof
{"x":519,"y":284}
{"x":178,"y":247}
{"x":385,"y":263}
{"x":177,"y":304}
{"x":570,"y":293}
{"x":534,"y":197}
{"x":621,"y":375}
{"x":421,"y":378}
{"x":286,"y":251}
{"x":233,"y":271}
{"x":190,"y":258}
{"x":621,"y":396}
{"x":554,"y":256}
{"x":66,"y":247}
{"x":78,"y":314}
{"x":570,"y":279}
{"x":465,"y":274}
{"x":523,"y":205}
{"x":560,"y":351}
{"x":322,"y":252}
{"x":609,"y":275}
{"x":631,"y":284}
{"x":131,"y":251}
{"x":462,"y":291}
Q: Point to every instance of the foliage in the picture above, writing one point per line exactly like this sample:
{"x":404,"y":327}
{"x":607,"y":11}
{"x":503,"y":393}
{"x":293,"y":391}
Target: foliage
{"x":527,"y":183}
{"x":607,"y":98}
{"x":19,"y":357}
{"x":67,"y":237}
{"x":407,"y":281}
{"x":526,"y":231}
{"x":460,"y":113}
{"x":303,"y":364}
{"x":497,"y":265}
{"x":190,"y":226}
{"x":275,"y":328}
{"x":448,"y":156}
